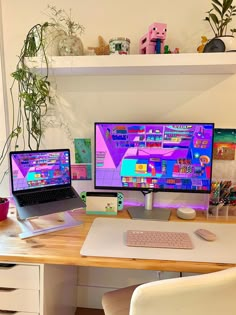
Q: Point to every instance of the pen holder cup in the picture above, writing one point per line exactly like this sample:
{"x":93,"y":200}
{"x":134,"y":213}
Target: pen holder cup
{"x":4,"y":207}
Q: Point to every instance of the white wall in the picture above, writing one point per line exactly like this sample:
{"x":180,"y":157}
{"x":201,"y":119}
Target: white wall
{"x":4,"y":179}
{"x":84,"y":100}
{"x":4,"y":164}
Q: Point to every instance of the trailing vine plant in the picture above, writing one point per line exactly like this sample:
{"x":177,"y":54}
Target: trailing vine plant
{"x":33,"y":95}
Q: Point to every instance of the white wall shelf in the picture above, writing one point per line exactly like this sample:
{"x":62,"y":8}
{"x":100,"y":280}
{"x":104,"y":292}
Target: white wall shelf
{"x":195,"y":63}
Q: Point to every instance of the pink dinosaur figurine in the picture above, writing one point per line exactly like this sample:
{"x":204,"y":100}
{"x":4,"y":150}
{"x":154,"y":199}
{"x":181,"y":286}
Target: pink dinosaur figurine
{"x":153,"y":41}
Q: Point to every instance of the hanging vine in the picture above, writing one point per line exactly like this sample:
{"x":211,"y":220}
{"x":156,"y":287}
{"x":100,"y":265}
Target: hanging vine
{"x":33,"y":95}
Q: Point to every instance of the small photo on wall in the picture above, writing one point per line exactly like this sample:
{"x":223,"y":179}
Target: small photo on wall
{"x":225,"y":135}
{"x":83,"y":150}
{"x":224,"y":151}
{"x":82,"y":169}
{"x":224,"y":144}
{"x":81,"y":172}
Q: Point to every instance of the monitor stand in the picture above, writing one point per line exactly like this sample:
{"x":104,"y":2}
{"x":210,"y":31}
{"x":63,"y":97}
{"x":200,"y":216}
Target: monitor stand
{"x":148,"y":212}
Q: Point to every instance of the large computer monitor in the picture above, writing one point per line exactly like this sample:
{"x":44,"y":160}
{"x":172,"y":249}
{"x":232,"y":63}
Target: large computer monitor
{"x":152,"y":157}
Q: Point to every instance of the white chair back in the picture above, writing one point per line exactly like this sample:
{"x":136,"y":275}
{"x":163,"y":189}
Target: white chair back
{"x":205,"y":294}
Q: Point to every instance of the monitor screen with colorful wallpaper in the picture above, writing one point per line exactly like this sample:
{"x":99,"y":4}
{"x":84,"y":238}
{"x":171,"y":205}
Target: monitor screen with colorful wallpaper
{"x":154,"y":156}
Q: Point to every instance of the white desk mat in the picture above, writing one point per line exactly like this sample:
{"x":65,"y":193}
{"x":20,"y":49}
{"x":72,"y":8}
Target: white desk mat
{"x":106,"y":238}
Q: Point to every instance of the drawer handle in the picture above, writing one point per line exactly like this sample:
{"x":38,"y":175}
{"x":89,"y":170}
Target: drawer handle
{"x":6,"y":265}
{"x":7,"y":289}
{"x":7,"y":312}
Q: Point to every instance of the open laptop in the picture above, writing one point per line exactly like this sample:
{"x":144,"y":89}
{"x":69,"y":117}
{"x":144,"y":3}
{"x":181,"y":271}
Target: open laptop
{"x":41,"y":182}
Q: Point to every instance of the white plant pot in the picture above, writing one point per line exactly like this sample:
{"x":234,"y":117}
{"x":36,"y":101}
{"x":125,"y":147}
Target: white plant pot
{"x":221,"y":44}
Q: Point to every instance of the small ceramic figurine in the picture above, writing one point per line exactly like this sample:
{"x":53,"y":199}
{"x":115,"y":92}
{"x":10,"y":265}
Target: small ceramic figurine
{"x":119,"y":45}
{"x":103,"y":47}
{"x":203,"y":43}
{"x":153,"y":42}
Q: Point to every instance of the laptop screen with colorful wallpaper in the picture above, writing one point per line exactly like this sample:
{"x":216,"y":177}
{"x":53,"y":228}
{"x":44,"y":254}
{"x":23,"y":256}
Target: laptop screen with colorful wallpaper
{"x":40,"y":169}
{"x":154,"y":156}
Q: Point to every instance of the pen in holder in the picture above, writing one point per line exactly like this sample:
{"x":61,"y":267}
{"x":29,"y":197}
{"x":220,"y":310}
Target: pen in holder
{"x":222,"y":199}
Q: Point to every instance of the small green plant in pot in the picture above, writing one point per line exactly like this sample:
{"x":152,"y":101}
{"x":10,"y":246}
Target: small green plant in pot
{"x":219,"y":18}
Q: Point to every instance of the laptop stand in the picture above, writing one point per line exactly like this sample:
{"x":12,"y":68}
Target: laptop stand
{"x":31,"y":228}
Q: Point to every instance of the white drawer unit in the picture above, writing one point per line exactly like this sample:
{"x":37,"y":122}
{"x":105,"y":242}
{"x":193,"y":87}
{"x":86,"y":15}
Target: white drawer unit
{"x":31,"y":289}
{"x":16,"y":313}
{"x":20,"y":300}
{"x":19,"y":276}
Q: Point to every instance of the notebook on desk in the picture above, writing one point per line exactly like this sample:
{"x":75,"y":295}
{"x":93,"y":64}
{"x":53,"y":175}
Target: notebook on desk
{"x":41,"y":182}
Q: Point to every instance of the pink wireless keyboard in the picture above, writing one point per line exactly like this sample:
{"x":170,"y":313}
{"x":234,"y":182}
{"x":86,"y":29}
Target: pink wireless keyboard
{"x":140,"y":238}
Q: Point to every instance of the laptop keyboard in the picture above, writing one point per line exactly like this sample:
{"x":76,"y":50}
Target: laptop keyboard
{"x":45,"y":196}
{"x":175,"y":240}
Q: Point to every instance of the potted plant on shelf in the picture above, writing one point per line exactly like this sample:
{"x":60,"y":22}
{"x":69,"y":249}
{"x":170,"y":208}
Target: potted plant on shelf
{"x":65,"y":32}
{"x":219,"y":17}
{"x":4,"y":207}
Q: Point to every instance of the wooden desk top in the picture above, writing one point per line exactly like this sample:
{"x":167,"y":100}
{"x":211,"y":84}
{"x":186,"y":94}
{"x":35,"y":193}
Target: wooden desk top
{"x":63,"y":247}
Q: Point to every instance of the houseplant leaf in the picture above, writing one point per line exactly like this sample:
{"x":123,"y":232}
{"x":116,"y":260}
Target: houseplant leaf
{"x":226,"y":6}
{"x":217,"y":9}
{"x":214,"y":19}
{"x":217,"y":3}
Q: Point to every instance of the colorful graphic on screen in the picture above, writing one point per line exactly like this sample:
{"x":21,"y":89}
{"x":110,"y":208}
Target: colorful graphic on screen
{"x":40,"y":169}
{"x":175,"y":157}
